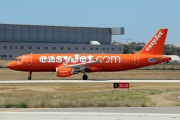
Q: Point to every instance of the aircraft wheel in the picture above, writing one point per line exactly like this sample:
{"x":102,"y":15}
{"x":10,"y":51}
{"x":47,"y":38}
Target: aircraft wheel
{"x":85,"y":77}
{"x":30,"y":74}
{"x":29,"y":78}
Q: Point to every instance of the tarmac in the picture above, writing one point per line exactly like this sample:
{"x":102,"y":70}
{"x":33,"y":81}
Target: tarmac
{"x":118,"y":113}
{"x":104,"y":113}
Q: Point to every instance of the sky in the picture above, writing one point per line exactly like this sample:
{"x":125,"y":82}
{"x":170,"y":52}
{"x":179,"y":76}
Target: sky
{"x":140,"y":18}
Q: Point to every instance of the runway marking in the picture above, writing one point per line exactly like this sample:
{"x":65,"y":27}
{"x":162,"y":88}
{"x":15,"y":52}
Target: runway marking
{"x":86,"y":115}
{"x":88,"y":81}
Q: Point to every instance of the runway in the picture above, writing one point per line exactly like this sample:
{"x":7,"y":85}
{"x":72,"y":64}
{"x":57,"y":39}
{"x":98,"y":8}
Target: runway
{"x":88,"y":81}
{"x":103,"y":113}
{"x":130,"y":113}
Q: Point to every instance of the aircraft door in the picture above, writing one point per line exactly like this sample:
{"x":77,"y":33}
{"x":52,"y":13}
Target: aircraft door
{"x":136,"y":60}
{"x":29,"y":60}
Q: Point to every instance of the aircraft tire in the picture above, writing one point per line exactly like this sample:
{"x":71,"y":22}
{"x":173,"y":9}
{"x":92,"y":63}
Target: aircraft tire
{"x":29,"y":78}
{"x":85,"y":77}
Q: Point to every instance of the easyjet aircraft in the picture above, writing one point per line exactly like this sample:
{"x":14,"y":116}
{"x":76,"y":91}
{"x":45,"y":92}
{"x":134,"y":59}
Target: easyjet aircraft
{"x":68,"y":64}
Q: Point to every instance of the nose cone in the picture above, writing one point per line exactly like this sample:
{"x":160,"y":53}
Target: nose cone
{"x":11,"y":65}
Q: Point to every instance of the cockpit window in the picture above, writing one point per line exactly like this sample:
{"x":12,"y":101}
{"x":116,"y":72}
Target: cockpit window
{"x":18,"y":59}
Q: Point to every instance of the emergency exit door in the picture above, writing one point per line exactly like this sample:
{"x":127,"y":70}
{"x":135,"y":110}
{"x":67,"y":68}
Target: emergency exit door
{"x":136,"y":60}
{"x":29,"y":60}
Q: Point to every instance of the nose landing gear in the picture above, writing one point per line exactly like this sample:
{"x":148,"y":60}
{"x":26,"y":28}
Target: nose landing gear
{"x":30,"y":76}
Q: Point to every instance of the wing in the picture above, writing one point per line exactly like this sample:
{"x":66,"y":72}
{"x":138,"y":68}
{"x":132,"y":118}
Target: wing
{"x":81,"y":66}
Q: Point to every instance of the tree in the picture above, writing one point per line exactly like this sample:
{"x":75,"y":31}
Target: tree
{"x":134,"y":47}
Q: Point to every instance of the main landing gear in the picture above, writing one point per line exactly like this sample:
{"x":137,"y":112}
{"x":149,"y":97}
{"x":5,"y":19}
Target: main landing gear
{"x":30,"y":76}
{"x":84,"y":77}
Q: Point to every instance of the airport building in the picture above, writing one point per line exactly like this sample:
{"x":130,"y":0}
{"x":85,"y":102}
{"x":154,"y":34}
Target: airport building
{"x":18,"y":39}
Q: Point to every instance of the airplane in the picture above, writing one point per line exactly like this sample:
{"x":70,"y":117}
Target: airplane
{"x":66,"y":65}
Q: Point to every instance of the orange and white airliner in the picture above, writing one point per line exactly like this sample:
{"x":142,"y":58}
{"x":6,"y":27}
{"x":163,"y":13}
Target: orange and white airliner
{"x":68,"y":64}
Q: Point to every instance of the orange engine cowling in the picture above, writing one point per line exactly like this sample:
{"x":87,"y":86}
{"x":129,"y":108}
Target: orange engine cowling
{"x":64,"y":72}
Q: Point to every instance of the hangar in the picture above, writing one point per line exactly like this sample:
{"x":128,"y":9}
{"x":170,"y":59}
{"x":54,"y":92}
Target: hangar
{"x":18,"y":39}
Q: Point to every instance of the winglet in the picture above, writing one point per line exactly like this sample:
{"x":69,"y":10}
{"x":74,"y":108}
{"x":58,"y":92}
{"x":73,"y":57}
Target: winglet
{"x":156,"y":43}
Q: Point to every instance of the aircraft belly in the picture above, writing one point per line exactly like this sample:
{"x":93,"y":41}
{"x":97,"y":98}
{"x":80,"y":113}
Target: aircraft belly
{"x":111,"y":67}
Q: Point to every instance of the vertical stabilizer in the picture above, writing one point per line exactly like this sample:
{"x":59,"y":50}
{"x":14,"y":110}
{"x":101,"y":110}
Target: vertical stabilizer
{"x":155,"y":45}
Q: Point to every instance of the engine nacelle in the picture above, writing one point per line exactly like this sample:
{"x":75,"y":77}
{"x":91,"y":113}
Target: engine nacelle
{"x":64,"y":72}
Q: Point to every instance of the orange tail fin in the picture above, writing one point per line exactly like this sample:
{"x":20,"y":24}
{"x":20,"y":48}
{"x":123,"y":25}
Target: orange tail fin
{"x":156,"y":43}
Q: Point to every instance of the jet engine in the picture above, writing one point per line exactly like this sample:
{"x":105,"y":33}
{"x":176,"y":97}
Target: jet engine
{"x":65,"y":72}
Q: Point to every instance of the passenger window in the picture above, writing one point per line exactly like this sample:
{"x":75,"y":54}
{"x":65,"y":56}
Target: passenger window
{"x":4,"y":47}
{"x":69,"y":48}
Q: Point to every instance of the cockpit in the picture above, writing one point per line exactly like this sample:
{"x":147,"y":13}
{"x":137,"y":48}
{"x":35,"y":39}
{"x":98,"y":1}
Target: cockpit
{"x":20,"y":62}
{"x":17,"y":59}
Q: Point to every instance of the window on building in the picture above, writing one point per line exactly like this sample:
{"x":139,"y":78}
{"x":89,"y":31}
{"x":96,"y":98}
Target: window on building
{"x":10,"y":47}
{"x":38,"y":47}
{"x":1,"y":56}
{"x":69,"y":48}
{"x":15,"y":47}
{"x":30,"y":47}
{"x":84,"y":48}
{"x":10,"y":56}
{"x":54,"y":48}
{"x":61,"y":48}
{"x":45,"y":48}
{"x":76,"y":48}
{"x":91,"y":48}
{"x":119,"y":49}
{"x":4,"y":47}
{"x":96,"y":48}
{"x":112,"y":49}
{"x":107,"y":48}
{"x":103,"y":48}
{"x":21,"y":47}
